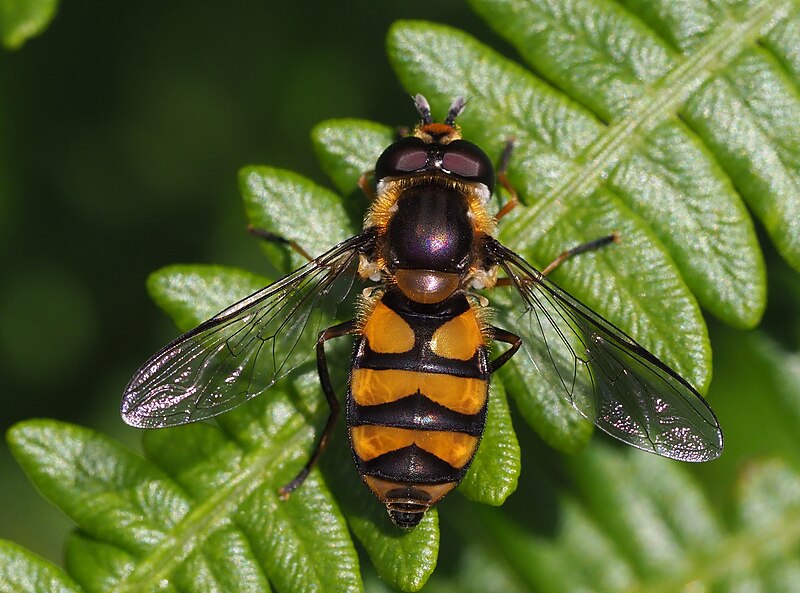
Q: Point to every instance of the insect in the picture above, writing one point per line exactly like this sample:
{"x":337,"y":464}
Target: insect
{"x":421,"y":366}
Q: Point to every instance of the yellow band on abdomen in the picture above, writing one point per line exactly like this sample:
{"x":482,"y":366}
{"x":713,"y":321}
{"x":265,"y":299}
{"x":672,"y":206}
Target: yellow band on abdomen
{"x":456,"y":448}
{"x":370,"y":387}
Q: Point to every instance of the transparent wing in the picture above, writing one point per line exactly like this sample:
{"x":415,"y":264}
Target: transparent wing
{"x":609,"y":378}
{"x":243,"y":350}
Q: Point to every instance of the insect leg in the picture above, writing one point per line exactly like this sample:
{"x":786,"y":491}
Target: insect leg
{"x":513,"y":199}
{"x":502,"y":335}
{"x":341,"y":329}
{"x":271,"y":237}
{"x":365,"y":186}
{"x":582,"y":248}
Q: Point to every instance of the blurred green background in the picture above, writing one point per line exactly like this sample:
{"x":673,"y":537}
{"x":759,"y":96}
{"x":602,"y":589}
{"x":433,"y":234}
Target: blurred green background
{"x":123,"y":128}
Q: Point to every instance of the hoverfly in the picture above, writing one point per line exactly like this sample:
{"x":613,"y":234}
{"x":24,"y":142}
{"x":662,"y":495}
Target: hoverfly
{"x":419,"y":376}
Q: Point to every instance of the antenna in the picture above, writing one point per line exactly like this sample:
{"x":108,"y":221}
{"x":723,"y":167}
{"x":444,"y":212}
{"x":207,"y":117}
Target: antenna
{"x":424,"y":108}
{"x":455,"y":110}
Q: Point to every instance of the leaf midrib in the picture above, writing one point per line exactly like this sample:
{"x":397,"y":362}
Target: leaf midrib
{"x":258,"y":467}
{"x":658,"y":102}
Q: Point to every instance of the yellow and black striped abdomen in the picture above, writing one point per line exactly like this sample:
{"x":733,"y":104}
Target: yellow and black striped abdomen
{"x":416,"y":407}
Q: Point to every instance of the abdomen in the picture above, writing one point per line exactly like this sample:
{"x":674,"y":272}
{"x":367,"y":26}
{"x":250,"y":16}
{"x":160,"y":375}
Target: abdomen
{"x":416,"y":405}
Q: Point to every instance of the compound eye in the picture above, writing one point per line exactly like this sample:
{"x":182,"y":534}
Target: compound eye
{"x":404,"y":156}
{"x":466,"y":160}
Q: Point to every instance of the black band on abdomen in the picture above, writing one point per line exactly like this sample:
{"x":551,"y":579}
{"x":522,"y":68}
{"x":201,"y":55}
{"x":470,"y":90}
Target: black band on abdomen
{"x":411,"y":465}
{"x":416,"y":412}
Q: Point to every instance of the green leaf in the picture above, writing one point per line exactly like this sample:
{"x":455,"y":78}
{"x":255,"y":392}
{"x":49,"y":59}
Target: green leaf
{"x":635,"y":77}
{"x":546,"y":410}
{"x":757,"y":387}
{"x":628,"y":75}
{"x":190,"y":294}
{"x":22,"y":19}
{"x":494,"y":472}
{"x":639,"y":523}
{"x":301,"y":543}
{"x":657,"y":528}
{"x":24,"y":572}
{"x":347,"y":148}
{"x":230,"y":536}
{"x":768,"y":514}
{"x":275,"y":200}
{"x":99,"y":567}
{"x":109,"y":492}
